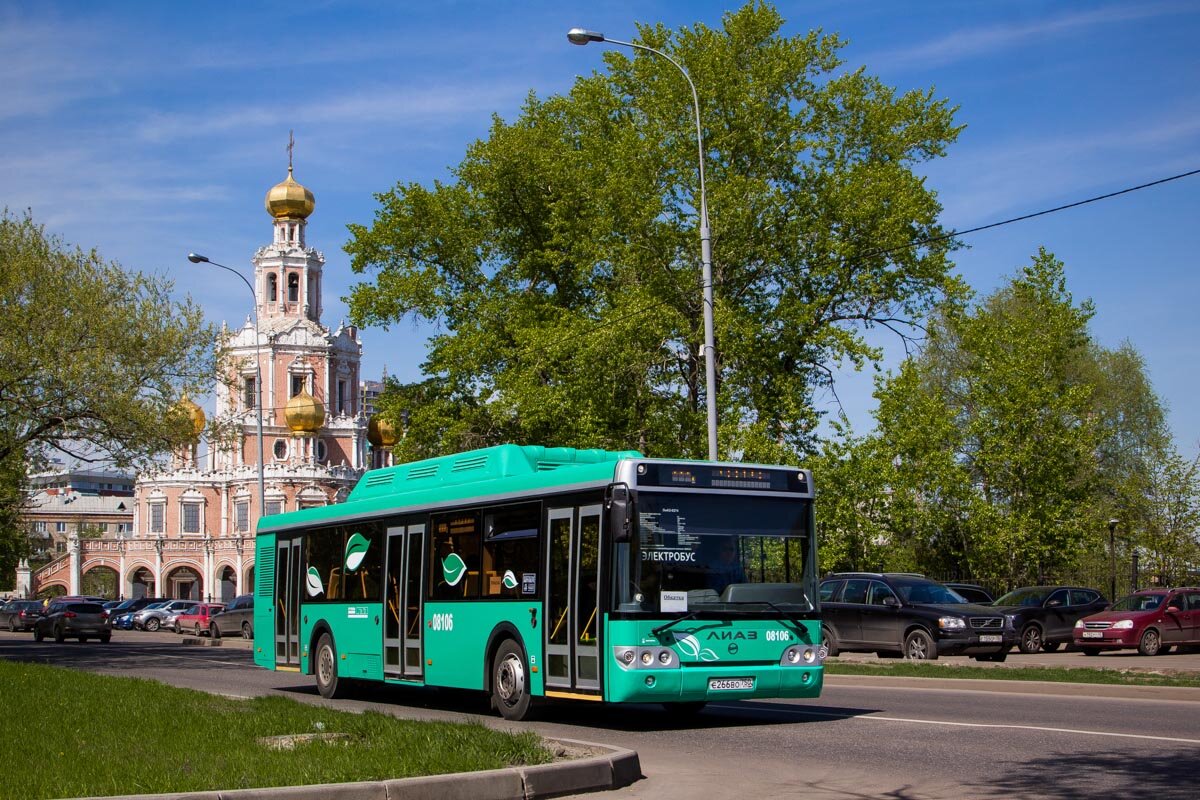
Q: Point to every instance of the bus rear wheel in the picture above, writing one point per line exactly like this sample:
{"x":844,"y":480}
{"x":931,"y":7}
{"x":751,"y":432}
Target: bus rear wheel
{"x":510,"y":684}
{"x":326,"y":669}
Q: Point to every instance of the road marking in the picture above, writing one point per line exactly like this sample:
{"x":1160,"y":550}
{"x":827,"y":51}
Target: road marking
{"x":948,"y":723}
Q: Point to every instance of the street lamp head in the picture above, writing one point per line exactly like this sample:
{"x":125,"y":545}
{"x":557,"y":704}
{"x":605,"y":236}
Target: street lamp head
{"x":581,"y":36}
{"x":1112,"y":523}
{"x":196,"y":258}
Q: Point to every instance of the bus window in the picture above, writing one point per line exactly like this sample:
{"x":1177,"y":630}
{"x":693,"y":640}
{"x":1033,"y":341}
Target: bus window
{"x":510,"y":551}
{"x":343,"y":563}
{"x":454,"y":557}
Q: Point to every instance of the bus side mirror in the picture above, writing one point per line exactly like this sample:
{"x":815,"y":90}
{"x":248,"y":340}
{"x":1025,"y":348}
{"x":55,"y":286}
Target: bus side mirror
{"x":620,"y":520}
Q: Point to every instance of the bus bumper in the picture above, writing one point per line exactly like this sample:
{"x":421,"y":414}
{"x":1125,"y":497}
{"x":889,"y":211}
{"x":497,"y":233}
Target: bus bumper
{"x":709,"y":684}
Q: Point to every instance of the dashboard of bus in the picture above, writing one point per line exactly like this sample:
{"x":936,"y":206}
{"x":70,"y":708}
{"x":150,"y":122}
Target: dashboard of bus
{"x":717,"y":552}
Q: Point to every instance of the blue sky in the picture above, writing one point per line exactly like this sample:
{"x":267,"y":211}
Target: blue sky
{"x":148,"y":130}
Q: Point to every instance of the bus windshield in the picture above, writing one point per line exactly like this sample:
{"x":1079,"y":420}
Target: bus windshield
{"x":717,"y":552}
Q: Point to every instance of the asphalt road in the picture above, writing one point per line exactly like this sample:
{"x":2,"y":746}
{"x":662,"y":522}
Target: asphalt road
{"x":865,"y":737}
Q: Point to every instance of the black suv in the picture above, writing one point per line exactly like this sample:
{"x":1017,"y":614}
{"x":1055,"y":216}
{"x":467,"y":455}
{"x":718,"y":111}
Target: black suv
{"x":899,"y":614}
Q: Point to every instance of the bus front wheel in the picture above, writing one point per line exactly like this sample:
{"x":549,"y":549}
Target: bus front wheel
{"x":510,"y":684}
{"x":326,"y":669}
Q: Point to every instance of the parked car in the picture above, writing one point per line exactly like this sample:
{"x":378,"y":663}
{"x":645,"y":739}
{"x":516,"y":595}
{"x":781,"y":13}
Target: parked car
{"x":151,"y":617}
{"x":170,"y":620}
{"x":197,"y":619}
{"x":65,"y":618}
{"x":19,"y":615}
{"x":1152,"y":620}
{"x":135,"y":604}
{"x":237,"y":618}
{"x":154,"y":617}
{"x":122,"y":622}
{"x":896,"y":614}
{"x":971,"y":592}
{"x":1044,"y":617}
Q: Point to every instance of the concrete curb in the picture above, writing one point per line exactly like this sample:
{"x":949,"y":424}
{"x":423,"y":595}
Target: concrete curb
{"x":611,"y":769}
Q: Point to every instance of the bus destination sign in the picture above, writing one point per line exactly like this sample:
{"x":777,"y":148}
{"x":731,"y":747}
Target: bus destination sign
{"x":710,"y":476}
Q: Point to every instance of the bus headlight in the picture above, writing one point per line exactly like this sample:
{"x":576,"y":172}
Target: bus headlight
{"x":809,"y":655}
{"x":793,"y":655}
{"x":664,"y":657}
{"x":647,"y":657}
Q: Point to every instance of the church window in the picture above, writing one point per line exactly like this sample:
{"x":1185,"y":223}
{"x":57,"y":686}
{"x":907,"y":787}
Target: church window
{"x":281,"y":449}
{"x":158,"y":514}
{"x":272,"y":287}
{"x":293,"y":287}
{"x":241,"y":514}
{"x":322,"y":450}
{"x":189,"y":514}
{"x":341,"y":406}
{"x":274,"y":507}
{"x":298,"y":384}
{"x":249,"y":398}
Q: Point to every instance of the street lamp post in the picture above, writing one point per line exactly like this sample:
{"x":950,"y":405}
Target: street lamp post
{"x":196,"y":258}
{"x":582,"y":37}
{"x":1112,"y":559}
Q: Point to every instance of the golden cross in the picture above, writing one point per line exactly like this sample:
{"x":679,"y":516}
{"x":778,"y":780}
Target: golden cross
{"x":291,"y":146}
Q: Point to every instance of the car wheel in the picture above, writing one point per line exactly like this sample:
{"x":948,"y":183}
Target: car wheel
{"x":1031,"y":639}
{"x":59,"y":636}
{"x":827,"y":639}
{"x":12,"y":625}
{"x":197,"y":630}
{"x":247,"y":631}
{"x":1090,"y":651}
{"x":213,"y":632}
{"x":1151,"y":643}
{"x":510,"y":687}
{"x":326,"y":669}
{"x":1049,"y":647}
{"x":919,"y":646}
{"x":153,"y":624}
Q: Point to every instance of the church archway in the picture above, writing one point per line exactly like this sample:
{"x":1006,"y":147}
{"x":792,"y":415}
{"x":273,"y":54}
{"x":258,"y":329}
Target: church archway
{"x":141,"y":583}
{"x":227,"y":584}
{"x":184,"y":583}
{"x":100,"y":581}
{"x":248,"y":584}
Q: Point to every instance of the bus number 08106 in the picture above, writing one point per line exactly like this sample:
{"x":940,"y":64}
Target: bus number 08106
{"x":442,"y":622}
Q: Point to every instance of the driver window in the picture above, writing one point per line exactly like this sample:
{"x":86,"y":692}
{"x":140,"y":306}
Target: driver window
{"x":855,"y":592}
{"x":880,"y":592}
{"x":1058,"y":599}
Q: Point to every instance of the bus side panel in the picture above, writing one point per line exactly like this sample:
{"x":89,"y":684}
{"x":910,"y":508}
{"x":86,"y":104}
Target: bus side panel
{"x":456,"y":638}
{"x":264,"y":601}
{"x":357,"y":637}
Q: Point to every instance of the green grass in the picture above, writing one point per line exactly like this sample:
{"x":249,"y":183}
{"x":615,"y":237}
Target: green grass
{"x":72,"y":734}
{"x":909,"y":669}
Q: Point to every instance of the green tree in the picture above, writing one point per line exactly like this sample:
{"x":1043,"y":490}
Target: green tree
{"x":562,"y":262}
{"x":92,"y":361}
{"x":993,"y":438}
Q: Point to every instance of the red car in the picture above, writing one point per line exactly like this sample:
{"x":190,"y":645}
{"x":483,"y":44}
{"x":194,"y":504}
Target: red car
{"x":196,"y":619}
{"x":1152,"y":620}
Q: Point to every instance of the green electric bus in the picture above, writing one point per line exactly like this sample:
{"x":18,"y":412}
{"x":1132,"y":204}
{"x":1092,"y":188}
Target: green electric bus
{"x":533,"y":572}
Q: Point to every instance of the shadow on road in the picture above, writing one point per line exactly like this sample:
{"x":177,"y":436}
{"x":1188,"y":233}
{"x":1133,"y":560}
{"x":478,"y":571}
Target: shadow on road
{"x":1168,"y":773}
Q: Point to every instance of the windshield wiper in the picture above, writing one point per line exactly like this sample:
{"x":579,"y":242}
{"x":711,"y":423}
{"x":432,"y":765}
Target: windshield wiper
{"x":662,"y":628}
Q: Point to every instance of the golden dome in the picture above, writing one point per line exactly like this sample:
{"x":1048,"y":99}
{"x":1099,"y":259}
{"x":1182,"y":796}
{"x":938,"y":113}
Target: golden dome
{"x":381,"y":432}
{"x":305,"y":414}
{"x":290,"y":200}
{"x":194,"y":414}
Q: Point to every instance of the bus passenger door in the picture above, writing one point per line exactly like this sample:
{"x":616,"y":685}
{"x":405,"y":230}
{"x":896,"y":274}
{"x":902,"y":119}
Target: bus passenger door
{"x":287,"y":603}
{"x":402,"y":602}
{"x":572,"y":621}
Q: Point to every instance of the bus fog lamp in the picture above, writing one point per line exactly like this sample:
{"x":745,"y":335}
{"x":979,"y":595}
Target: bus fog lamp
{"x":650,"y":681}
{"x":805,"y":676}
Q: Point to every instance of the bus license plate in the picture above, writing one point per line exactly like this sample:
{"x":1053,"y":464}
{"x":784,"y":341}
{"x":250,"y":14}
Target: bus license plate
{"x":717,"y":684}
{"x":991,"y":637}
{"x":1093,"y":634}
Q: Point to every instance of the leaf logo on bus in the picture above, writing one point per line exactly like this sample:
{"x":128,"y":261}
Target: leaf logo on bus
{"x":509,"y":580}
{"x":313,"y":580}
{"x":691,"y":645}
{"x":453,"y":568}
{"x":356,"y":551}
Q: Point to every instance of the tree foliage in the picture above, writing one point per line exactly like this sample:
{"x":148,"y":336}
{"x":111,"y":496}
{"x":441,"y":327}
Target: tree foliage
{"x":92,"y":361}
{"x":1006,"y":445}
{"x":562,"y":262}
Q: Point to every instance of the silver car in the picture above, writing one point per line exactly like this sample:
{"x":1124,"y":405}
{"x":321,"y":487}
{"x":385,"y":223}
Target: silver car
{"x":151,"y":617}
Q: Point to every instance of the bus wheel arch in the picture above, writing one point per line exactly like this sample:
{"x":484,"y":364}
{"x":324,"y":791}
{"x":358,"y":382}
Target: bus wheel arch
{"x":500,"y":633}
{"x":313,"y":639}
